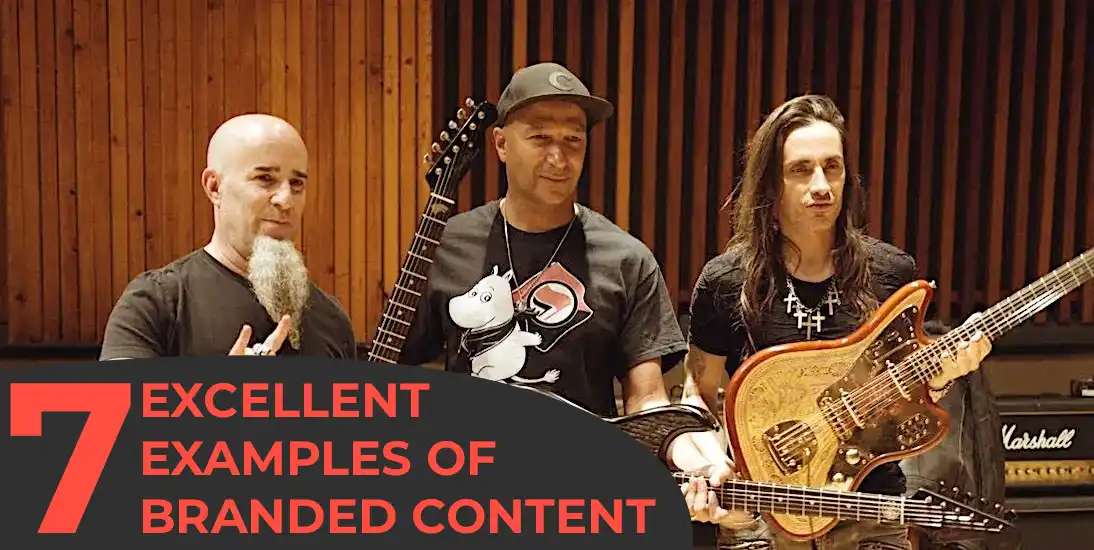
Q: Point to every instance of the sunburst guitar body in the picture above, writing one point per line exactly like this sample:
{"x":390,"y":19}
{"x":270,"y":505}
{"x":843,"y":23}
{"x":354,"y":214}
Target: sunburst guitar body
{"x":824,"y":413}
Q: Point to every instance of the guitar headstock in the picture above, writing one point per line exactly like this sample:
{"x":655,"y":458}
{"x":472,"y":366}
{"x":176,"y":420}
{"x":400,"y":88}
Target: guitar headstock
{"x":964,"y":512}
{"x":463,"y":138}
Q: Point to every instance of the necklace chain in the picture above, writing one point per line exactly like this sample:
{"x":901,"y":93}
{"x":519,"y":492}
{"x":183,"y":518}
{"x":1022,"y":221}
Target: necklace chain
{"x":520,"y":300}
{"x":810,"y":318}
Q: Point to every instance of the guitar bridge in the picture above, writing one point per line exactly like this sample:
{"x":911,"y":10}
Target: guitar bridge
{"x":792,"y":445}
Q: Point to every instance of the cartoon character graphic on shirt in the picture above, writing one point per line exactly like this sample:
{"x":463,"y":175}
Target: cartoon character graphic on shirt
{"x":497,"y":337}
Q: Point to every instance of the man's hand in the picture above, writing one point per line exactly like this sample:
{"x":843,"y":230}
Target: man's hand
{"x":968,"y":358}
{"x":269,"y":347}
{"x":703,"y":501}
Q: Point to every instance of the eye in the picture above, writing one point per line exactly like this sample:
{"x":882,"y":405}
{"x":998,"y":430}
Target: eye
{"x":486,"y":296}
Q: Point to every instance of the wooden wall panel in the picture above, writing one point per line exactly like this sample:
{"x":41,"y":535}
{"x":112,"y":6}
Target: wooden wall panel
{"x":107,"y":109}
{"x":967,"y":120}
{"x":968,"y":126}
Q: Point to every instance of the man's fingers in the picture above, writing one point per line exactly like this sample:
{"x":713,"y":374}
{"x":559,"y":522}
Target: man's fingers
{"x":277,"y":337}
{"x":721,"y":475}
{"x":240,"y":346}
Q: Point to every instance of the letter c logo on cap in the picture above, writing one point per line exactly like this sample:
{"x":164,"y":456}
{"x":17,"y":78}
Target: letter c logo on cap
{"x":556,"y":79}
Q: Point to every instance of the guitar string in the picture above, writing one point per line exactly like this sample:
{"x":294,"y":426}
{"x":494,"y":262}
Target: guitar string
{"x":880,"y":393}
{"x":386,"y":324}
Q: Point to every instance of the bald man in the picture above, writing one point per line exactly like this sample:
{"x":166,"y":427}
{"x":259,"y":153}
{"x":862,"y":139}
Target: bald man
{"x":247,"y":292}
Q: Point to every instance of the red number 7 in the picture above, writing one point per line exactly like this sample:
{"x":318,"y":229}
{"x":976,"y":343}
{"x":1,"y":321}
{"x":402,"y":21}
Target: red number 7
{"x":107,"y":406}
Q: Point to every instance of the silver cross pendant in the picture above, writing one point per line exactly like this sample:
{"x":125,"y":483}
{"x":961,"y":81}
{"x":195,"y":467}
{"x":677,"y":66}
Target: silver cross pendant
{"x":816,"y":318}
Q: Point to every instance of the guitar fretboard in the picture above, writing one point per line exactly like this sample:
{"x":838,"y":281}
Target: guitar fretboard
{"x":410,"y":285}
{"x":807,"y":501}
{"x":924,"y":364}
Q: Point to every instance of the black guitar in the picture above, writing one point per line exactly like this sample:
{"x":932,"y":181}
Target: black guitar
{"x":449,"y":161}
{"x":656,"y":428}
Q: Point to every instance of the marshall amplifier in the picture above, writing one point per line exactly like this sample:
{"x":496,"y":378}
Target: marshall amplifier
{"x":1048,"y":445}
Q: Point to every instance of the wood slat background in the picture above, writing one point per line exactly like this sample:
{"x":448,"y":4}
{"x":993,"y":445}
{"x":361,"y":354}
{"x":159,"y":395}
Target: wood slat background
{"x":967,"y":123}
{"x":966,"y":118}
{"x":107,"y":109}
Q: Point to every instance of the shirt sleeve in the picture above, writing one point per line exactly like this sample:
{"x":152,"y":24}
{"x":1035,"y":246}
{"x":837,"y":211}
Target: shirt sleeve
{"x":651,"y":329}
{"x":713,"y":326}
{"x":138,"y":327}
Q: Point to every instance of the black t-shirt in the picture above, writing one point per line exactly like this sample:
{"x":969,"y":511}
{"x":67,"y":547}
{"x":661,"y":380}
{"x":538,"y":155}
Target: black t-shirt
{"x":717,"y":328}
{"x":598,"y":309}
{"x":196,"y":306}
{"x":716,"y":325}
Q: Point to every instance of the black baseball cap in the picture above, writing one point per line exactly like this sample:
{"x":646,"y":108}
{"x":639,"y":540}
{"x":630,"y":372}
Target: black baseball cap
{"x":550,"y":81}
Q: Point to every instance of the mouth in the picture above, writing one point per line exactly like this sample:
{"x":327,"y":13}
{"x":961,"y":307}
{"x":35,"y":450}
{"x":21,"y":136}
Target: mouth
{"x":820,"y":205}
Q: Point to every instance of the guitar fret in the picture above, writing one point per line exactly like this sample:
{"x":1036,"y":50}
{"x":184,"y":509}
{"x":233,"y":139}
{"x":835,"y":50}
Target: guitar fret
{"x":445,"y":199}
{"x":392,"y":348}
{"x":412,"y":274}
{"x":386,"y":316}
{"x":404,"y":306}
{"x":390,"y":333}
{"x":405,"y":289}
{"x":420,"y":257}
{"x":430,"y":241}
{"x":434,"y":220}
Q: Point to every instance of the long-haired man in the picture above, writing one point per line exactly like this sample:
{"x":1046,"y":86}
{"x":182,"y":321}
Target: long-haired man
{"x":798,"y":254}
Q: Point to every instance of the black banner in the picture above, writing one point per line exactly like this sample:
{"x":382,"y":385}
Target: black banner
{"x":265,"y":452}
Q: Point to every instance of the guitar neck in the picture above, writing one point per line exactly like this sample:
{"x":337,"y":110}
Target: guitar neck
{"x":924,"y":364}
{"x":410,"y":285}
{"x":762,"y":497}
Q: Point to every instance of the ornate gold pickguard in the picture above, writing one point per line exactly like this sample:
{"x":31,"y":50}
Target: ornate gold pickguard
{"x":783,"y":386}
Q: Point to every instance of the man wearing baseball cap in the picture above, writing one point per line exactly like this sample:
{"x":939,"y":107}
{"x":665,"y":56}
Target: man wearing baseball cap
{"x":537,"y":289}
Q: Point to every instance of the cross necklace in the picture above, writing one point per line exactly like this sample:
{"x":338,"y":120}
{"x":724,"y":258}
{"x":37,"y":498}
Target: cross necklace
{"x":810,"y":318}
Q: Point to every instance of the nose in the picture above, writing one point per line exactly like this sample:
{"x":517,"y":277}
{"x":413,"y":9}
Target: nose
{"x":818,"y":185}
{"x":283,"y":196}
{"x":555,"y":156}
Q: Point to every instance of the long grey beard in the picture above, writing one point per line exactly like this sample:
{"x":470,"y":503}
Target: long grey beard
{"x":280,"y":281}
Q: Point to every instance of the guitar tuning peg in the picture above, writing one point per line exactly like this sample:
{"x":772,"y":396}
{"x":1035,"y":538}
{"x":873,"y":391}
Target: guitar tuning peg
{"x":436,"y":148}
{"x":444,"y":136}
{"x":470,"y":103}
{"x":452,"y":124}
{"x":427,"y":158}
{"x":461,"y":114}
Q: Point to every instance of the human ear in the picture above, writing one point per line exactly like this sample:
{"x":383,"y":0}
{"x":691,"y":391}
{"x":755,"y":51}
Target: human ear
{"x":500,"y":143}
{"x":210,"y":183}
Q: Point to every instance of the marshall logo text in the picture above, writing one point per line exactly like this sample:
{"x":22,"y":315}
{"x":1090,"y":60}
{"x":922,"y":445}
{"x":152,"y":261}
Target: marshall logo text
{"x":1039,"y":442}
